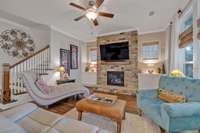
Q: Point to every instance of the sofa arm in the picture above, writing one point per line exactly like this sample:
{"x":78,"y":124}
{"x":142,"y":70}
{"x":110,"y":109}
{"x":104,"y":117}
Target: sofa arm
{"x":19,"y":112}
{"x":147,"y":93}
{"x":7,"y":126}
{"x":181,"y":109}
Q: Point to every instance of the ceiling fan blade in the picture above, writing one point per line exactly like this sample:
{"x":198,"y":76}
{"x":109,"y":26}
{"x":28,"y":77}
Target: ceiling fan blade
{"x":77,"y":6}
{"x":95,"y":22}
{"x":79,"y":18}
{"x":99,"y":3}
{"x":104,"y":14}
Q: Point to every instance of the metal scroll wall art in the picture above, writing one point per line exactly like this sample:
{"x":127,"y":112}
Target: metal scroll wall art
{"x":17,"y":43}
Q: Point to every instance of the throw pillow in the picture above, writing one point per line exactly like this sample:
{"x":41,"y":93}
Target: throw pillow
{"x":170,"y":96}
{"x":42,"y":86}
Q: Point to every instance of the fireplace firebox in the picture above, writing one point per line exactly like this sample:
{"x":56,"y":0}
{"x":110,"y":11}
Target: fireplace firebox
{"x":115,"y":78}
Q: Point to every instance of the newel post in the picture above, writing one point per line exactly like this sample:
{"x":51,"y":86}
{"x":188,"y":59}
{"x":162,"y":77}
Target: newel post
{"x":6,"y":92}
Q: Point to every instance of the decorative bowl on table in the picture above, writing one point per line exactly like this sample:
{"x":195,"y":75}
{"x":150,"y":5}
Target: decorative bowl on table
{"x":102,"y":98}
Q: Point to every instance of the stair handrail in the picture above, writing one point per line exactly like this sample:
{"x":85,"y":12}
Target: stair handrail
{"x":6,"y":92}
{"x":30,"y":56}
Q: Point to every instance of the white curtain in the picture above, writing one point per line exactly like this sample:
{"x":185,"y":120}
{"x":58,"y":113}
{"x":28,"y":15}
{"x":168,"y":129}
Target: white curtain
{"x":196,"y":42}
{"x":172,"y":50}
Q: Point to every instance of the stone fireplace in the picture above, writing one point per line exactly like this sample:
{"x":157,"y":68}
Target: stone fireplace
{"x":121,"y":75}
{"x":115,"y":78}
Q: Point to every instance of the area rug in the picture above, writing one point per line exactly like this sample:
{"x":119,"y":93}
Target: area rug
{"x":132,"y":124}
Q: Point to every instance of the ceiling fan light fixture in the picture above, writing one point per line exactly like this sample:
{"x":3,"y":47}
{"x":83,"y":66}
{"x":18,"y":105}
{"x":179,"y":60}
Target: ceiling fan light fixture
{"x":91,"y":15}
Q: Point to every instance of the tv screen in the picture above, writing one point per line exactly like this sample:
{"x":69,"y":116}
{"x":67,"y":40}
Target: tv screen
{"x":115,"y":51}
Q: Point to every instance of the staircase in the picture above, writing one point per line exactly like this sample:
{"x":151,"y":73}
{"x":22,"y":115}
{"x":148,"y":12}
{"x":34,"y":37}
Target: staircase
{"x":12,"y":82}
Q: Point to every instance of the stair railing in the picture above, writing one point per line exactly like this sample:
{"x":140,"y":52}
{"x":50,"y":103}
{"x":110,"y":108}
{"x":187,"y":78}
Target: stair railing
{"x":12,"y":83}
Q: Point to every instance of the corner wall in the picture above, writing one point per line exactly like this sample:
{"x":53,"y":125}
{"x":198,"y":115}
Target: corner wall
{"x":58,"y":41}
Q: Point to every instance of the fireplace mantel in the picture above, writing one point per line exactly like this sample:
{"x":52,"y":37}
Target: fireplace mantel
{"x":127,"y":62}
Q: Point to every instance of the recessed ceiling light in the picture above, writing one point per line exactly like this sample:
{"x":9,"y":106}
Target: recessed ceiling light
{"x":151,"y":13}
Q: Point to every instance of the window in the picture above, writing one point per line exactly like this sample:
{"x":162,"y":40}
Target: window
{"x":150,"y":51}
{"x":188,"y":64}
{"x":93,"y":55}
{"x":186,"y":22}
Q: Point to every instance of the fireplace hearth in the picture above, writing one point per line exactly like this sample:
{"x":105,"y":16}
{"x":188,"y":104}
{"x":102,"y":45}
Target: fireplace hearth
{"x":115,"y":78}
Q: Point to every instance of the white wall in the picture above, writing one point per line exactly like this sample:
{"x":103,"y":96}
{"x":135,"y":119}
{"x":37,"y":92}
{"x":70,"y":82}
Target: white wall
{"x":60,"y":40}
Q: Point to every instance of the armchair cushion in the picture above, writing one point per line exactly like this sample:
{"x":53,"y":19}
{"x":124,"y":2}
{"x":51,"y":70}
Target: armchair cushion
{"x":182,"y":109}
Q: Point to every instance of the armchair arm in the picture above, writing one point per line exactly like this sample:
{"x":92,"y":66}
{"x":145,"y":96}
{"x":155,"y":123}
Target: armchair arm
{"x":152,"y":93}
{"x":145,"y":94}
{"x":181,"y":109}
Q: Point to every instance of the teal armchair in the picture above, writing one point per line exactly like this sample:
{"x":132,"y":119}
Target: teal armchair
{"x":173,"y":117}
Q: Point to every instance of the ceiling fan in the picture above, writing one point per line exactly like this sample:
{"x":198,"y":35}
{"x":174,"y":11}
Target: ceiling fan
{"x":92,"y":11}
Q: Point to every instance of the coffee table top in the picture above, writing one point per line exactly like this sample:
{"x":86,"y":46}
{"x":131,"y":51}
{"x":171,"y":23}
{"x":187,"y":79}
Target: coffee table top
{"x":114,"y":111}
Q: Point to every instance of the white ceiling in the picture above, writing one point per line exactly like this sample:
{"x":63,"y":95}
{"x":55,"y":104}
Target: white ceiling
{"x":129,"y":15}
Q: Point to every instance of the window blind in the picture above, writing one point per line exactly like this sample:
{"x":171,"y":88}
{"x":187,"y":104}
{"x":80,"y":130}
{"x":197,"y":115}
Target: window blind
{"x":150,"y":50}
{"x":186,"y":37}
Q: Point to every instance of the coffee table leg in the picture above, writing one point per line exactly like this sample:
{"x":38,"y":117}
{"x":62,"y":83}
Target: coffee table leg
{"x":118,"y":127}
{"x":124,"y":117}
{"x":79,"y":115}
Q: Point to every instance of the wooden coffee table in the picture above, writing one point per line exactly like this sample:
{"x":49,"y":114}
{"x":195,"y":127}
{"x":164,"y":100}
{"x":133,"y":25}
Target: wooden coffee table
{"x":116,"y":111}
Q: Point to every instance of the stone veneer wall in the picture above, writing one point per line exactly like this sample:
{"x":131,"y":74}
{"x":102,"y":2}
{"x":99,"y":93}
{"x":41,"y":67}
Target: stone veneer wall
{"x":128,"y":67}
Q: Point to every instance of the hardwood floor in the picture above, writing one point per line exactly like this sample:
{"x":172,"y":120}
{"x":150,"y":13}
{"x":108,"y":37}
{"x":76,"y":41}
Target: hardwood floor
{"x":63,"y":106}
{"x":67,"y":104}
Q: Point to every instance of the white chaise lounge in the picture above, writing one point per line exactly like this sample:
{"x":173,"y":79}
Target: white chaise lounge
{"x":29,"y":118}
{"x":56,"y":94}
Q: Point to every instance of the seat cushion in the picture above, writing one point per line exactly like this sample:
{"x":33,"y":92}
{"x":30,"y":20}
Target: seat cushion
{"x":45,"y":117}
{"x":39,"y":121}
{"x":32,"y":126}
{"x":7,"y":126}
{"x":176,"y":109}
{"x":66,"y":89}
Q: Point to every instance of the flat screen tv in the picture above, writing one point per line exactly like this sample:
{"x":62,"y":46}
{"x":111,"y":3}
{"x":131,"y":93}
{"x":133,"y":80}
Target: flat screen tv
{"x":115,"y":51}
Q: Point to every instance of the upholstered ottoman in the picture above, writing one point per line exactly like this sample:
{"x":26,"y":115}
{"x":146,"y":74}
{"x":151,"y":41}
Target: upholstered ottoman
{"x":116,"y":111}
